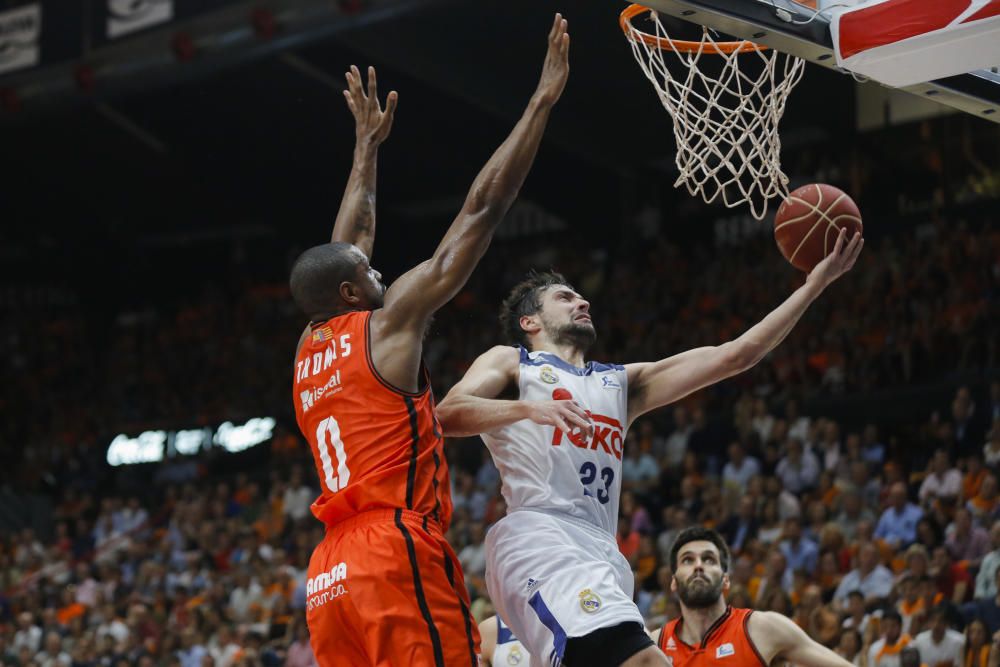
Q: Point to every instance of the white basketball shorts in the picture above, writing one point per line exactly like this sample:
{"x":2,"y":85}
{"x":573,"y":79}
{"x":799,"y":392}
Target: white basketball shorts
{"x":553,"y":577}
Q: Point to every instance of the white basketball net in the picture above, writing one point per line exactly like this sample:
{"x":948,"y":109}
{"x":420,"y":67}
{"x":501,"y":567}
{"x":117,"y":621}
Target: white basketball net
{"x":725,"y":123}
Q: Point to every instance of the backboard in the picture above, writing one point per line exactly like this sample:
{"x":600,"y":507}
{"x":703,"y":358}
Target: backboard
{"x":793,"y":28}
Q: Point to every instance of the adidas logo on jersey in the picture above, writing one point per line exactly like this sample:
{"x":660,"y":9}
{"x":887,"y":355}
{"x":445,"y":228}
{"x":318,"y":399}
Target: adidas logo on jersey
{"x":671,"y":644}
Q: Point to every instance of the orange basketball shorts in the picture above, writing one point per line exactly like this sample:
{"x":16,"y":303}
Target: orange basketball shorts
{"x":385,"y":589}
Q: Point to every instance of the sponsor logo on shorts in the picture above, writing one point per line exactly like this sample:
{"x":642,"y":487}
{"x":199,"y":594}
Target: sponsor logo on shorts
{"x":547,"y":375}
{"x":725,"y":651}
{"x":326,"y":586}
{"x":590,"y":602}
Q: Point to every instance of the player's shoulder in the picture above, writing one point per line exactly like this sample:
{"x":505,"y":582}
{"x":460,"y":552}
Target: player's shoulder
{"x":502,"y":356}
{"x":769,"y":625}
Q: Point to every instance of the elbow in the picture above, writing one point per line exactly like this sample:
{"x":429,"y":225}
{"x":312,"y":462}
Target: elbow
{"x":739,"y":356}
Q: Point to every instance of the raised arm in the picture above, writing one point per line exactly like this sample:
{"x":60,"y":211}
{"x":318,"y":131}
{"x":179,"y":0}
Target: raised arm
{"x":777,"y":637}
{"x":356,"y":219}
{"x":655,"y":384}
{"x":472,"y":407}
{"x":415,"y":296}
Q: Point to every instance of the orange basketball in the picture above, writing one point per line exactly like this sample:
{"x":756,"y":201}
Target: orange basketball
{"x":807,"y":223}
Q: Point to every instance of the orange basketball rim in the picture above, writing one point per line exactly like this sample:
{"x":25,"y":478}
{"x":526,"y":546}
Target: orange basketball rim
{"x":679,"y":45}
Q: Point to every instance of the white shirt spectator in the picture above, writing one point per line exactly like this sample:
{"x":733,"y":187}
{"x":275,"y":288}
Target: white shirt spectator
{"x":948,"y":485}
{"x":61,"y":659}
{"x":890,"y":659}
{"x":297,"y":501}
{"x":30,"y":637}
{"x":796,"y":476}
{"x":473,"y":558}
{"x":242,"y":598}
{"x":986,"y":580}
{"x":677,"y":445}
{"x":739,"y":476}
{"x":877,"y":583}
{"x":949,"y":650}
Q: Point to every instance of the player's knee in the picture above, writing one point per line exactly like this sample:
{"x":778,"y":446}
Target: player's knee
{"x":613,"y":646}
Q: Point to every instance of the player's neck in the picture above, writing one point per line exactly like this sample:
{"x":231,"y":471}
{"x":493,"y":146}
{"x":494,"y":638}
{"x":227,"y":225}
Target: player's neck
{"x":698,"y":621}
{"x":569,"y":353}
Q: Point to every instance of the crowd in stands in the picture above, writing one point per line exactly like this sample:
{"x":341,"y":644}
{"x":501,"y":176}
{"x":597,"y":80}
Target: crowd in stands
{"x":875,"y":537}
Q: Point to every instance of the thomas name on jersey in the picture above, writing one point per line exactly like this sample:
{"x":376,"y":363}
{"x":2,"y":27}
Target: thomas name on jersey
{"x":322,"y":360}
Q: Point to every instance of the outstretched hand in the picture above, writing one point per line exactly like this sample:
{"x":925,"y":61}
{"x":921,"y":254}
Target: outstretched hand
{"x":372,"y":124}
{"x":840,"y":261}
{"x":555,"y":71}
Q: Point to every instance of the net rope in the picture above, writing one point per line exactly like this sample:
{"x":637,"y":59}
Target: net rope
{"x":725,"y":122}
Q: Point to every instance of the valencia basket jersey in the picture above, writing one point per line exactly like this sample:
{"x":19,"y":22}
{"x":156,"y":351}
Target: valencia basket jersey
{"x":375,"y":446}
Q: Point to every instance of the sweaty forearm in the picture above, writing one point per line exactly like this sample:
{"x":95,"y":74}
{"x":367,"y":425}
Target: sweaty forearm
{"x":462,"y":416}
{"x":767,"y":334}
{"x":498,"y":183}
{"x":356,"y":217}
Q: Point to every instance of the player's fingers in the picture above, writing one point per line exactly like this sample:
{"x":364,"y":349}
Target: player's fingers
{"x":554,"y":31}
{"x":390,"y":108}
{"x":839,"y":245}
{"x":857,"y":251}
{"x":354,"y":81}
{"x":578,"y":420}
{"x":372,"y":86}
{"x":564,"y":46}
{"x":350,"y":100}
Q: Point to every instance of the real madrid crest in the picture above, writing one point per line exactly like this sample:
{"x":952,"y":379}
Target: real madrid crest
{"x":548,"y":375}
{"x":590,"y":601}
{"x":515,"y":656}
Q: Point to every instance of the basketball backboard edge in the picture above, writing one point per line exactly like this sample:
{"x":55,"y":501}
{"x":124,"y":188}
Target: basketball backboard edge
{"x":764,"y":21}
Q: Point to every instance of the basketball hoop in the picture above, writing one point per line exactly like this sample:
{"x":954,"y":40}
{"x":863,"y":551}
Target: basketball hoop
{"x":726,"y":121}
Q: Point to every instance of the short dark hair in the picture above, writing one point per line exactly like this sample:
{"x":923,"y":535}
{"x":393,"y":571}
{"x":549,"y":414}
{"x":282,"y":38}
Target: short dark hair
{"x":525,"y":299}
{"x":892,"y":615}
{"x":317,"y":275}
{"x":697,"y":534}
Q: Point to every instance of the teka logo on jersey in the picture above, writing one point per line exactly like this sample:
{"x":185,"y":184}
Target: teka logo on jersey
{"x":608,"y":431}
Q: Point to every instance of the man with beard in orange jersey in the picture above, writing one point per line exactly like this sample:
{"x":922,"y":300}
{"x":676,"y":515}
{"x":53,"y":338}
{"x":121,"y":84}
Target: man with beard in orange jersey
{"x":384,"y":586}
{"x":711,"y":632}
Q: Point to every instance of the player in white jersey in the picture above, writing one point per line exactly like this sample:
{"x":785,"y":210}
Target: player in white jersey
{"x":499,"y":646}
{"x":554,"y":571}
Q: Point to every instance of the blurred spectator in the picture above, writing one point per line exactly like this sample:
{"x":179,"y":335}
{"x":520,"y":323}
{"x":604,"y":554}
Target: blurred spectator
{"x":965,"y":541}
{"x":976,"y":651}
{"x":942,"y":480}
{"x":986,"y":577}
{"x":986,"y":610}
{"x":898,"y":523}
{"x":940,"y":645}
{"x":799,"y":469}
{"x":870,"y":577}
{"x":740,"y":469}
{"x":886,"y":651}
{"x":800,"y":552}
{"x":738,"y":528}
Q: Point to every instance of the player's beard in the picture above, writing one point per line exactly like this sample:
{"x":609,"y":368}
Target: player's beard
{"x":699,"y":592}
{"x":578,"y":334}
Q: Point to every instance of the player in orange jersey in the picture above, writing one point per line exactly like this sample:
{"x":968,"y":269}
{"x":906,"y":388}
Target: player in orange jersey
{"x":384,"y":586}
{"x":710,"y":632}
